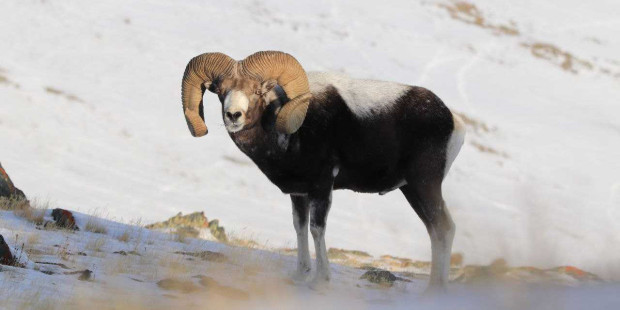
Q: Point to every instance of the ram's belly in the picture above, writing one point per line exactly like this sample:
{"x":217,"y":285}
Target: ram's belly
{"x":380,"y":180}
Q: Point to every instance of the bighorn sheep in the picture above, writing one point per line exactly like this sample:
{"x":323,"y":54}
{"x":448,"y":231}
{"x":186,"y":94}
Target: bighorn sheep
{"x":366,"y":136}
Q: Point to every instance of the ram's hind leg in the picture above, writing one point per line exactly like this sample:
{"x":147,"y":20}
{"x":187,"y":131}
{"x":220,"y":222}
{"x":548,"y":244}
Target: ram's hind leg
{"x":300,"y":221}
{"x":423,"y":192}
{"x":430,"y":207}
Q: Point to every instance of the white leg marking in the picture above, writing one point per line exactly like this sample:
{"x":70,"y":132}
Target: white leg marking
{"x":303,"y":248}
{"x":441,"y":250}
{"x":322,"y":264}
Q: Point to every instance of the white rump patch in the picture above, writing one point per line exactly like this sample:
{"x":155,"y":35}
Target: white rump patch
{"x":363,"y":97}
{"x":456,"y":141}
{"x":236,"y":101}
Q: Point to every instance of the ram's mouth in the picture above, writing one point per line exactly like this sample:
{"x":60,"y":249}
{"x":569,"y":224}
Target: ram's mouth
{"x":232,"y":128}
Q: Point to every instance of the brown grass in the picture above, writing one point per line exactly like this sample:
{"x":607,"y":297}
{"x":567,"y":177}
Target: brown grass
{"x":96,"y":244}
{"x":468,"y":13}
{"x":93,"y":223}
{"x":124,"y":237}
{"x":12,"y":204}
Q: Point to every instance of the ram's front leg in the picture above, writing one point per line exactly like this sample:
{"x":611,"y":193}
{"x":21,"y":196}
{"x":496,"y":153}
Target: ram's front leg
{"x":320,"y":203}
{"x":300,"y":221}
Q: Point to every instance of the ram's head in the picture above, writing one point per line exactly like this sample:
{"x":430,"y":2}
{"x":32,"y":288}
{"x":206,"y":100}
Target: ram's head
{"x":243,"y":87}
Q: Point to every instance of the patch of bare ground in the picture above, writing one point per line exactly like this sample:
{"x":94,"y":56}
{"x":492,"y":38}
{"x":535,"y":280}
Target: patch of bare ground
{"x":564,"y":59}
{"x":468,"y":13}
{"x":487,"y":149}
{"x":58,"y":92}
{"x":5,"y":80}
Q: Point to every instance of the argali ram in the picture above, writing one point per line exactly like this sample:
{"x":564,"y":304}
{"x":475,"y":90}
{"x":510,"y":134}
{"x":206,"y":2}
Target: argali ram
{"x":313,"y":133}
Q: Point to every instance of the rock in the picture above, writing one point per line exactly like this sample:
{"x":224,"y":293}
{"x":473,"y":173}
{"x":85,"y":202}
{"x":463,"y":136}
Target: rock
{"x":217,"y":231}
{"x":85,"y":275}
{"x":576,"y":273}
{"x":7,"y":188}
{"x":64,"y":219}
{"x":382,"y":277}
{"x":120,"y":253}
{"x":195,"y":220}
{"x":206,"y":255}
{"x":6,"y":257}
{"x":178,"y":285}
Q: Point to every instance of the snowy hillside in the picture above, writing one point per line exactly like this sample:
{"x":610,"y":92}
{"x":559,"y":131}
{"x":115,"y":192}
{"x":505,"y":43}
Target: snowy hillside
{"x":129,"y":267}
{"x":90,"y":116}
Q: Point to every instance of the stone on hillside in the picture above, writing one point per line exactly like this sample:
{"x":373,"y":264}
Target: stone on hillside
{"x":576,"y":273}
{"x":7,"y":188}
{"x":195,"y":220}
{"x":6,"y":258}
{"x":64,"y":219}
{"x":217,"y":231}
{"x":382,"y":277}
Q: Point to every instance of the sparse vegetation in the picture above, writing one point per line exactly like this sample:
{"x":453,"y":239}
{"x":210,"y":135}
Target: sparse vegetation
{"x":124,"y":237}
{"x":96,"y":244}
{"x":13,"y":203}
{"x":94,"y":225}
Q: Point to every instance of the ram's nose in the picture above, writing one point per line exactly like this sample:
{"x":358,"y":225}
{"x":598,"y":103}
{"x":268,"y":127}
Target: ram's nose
{"x":233,"y":116}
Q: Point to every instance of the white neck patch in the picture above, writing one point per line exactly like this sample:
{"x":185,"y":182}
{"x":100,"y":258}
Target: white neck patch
{"x":236,"y":101}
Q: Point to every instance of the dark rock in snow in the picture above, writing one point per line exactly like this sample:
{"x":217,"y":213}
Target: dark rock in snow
{"x":382,"y":277}
{"x":6,"y":258}
{"x":85,"y":275}
{"x":7,"y":188}
{"x":64,"y":219}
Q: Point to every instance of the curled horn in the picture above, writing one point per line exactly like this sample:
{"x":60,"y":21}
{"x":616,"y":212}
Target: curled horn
{"x":290,"y":75}
{"x":199,"y":74}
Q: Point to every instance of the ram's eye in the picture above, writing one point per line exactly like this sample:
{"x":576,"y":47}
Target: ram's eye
{"x":257,"y":92}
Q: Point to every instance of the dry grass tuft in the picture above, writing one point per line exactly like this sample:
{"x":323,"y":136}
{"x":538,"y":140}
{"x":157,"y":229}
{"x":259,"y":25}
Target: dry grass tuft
{"x":96,"y":244}
{"x":94,"y":225}
{"x":13,"y":203}
{"x":124,"y":237}
{"x":181,"y":234}
{"x":33,"y":212}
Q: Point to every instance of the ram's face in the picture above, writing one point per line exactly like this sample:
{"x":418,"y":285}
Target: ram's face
{"x":243,"y":101}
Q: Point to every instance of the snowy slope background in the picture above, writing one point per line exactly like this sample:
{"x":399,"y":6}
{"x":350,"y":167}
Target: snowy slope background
{"x":90,"y":117}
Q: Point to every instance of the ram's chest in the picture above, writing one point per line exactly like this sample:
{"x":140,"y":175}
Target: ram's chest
{"x":281,"y":158}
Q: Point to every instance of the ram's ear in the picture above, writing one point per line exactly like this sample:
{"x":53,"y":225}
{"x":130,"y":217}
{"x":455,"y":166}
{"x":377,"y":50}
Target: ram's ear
{"x":267,"y":86}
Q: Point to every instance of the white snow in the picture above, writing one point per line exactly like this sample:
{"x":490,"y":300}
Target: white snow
{"x":547,"y":195}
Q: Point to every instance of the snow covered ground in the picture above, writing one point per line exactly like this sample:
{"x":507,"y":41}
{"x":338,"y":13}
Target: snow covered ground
{"x":135,"y":268}
{"x":90,"y":117}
